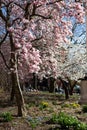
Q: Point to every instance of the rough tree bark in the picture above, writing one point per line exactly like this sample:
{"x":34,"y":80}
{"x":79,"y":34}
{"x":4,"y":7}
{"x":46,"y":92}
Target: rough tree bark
{"x":18,"y":94}
{"x":12,"y":94}
{"x":16,"y":90}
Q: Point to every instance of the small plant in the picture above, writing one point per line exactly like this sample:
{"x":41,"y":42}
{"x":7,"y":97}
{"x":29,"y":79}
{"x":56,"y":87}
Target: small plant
{"x":75,"y":105}
{"x":84,"y":108}
{"x":54,"y":103}
{"x":34,"y":123}
{"x":65,"y":105}
{"x":50,"y":110}
{"x":68,"y":122}
{"x":71,"y":105}
{"x":30,"y":105}
{"x":82,"y":126}
{"x":43,"y":105}
{"x":6,"y":116}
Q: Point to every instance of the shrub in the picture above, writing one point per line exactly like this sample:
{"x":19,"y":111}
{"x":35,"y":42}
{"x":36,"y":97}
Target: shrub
{"x":6,"y":116}
{"x":82,"y":126}
{"x":68,"y":122}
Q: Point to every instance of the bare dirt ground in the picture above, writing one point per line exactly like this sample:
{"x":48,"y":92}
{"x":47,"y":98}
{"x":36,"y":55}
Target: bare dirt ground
{"x":33,"y":100}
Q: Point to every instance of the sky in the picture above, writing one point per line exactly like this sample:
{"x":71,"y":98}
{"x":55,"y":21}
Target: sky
{"x":79,"y":32}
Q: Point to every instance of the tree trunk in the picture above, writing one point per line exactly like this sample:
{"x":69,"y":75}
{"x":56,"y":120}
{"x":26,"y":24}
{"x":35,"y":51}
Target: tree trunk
{"x":16,"y":87}
{"x":72,"y":87}
{"x":71,"y":90}
{"x":51,"y":84}
{"x":66,"y":92}
{"x":35,"y":84}
{"x":72,"y":84}
{"x":12,"y":94}
{"x":18,"y":94}
{"x":65,"y":89}
{"x":16,"y":90}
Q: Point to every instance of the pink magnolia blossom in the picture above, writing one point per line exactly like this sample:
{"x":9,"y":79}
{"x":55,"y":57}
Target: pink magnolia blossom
{"x":38,"y":29}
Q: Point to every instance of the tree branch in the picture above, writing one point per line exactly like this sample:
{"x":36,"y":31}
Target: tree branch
{"x":37,"y":39}
{"x":49,"y":3}
{"x":2,"y":55}
{"x":1,"y":42}
{"x":15,"y":20}
{"x":53,"y":2}
{"x":70,"y":65}
{"x":44,"y":17}
{"x":19,"y":5}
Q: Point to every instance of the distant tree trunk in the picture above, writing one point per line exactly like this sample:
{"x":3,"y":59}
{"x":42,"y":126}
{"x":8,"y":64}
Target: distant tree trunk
{"x":51,"y":84}
{"x":35,"y":82}
{"x":71,"y":85}
{"x":65,"y":89}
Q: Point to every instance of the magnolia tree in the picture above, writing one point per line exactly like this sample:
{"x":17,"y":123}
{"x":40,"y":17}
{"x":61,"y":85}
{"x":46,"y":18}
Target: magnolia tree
{"x":53,"y":59}
{"x":76,"y":65}
{"x":22,"y":24}
{"x":53,"y":51}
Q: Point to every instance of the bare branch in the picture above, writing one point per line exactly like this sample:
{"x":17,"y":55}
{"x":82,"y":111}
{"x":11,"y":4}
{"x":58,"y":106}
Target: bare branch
{"x":2,"y":55}
{"x":37,"y":39}
{"x":15,"y":20}
{"x":1,"y":42}
{"x":70,"y":65}
{"x":18,"y":5}
{"x":44,"y":17}
{"x":54,"y":2}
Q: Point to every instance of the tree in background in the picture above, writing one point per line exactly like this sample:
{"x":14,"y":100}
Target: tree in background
{"x":76,"y":65}
{"x":76,"y":61}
